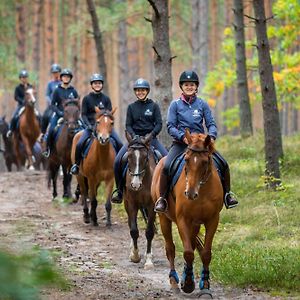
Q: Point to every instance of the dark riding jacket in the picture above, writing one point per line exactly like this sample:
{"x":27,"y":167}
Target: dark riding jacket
{"x":88,"y":106}
{"x":143,"y":117}
{"x":183,"y":114}
{"x":20,"y":93}
{"x":51,"y":87}
{"x":60,"y":94}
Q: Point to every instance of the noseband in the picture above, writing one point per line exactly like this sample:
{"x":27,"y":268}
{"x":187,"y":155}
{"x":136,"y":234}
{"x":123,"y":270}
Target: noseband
{"x":207,"y":172}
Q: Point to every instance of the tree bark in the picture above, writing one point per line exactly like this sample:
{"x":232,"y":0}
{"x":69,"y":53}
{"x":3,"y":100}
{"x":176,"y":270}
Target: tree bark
{"x":21,"y":31}
{"x":246,"y":129}
{"x":162,"y":61}
{"x":98,"y":41}
{"x":200,"y":39}
{"x":272,"y":131}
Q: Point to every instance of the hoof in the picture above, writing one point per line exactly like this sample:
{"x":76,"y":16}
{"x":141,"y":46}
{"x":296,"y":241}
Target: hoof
{"x":95,"y":223}
{"x":205,"y":294}
{"x":108,"y":224}
{"x":148,"y":266}
{"x":86,"y":220}
{"x":31,"y":168}
{"x":188,"y":286}
{"x":135,"y":258}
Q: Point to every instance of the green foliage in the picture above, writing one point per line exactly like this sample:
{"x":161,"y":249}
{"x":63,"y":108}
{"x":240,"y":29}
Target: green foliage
{"x":21,"y":275}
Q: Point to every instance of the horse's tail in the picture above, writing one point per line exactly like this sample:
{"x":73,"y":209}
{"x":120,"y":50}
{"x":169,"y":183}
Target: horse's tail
{"x":199,"y":243}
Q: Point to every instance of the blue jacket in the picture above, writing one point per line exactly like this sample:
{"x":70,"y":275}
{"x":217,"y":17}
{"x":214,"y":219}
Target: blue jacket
{"x":51,"y":86}
{"x":182,"y":114}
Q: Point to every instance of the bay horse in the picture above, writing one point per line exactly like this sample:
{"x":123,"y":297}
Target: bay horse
{"x":28,"y":131}
{"x":196,"y":199}
{"x":137,"y":195}
{"x":97,"y":166}
{"x":61,"y":154}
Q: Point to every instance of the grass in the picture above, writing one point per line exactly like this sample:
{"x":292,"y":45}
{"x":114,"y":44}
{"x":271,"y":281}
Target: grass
{"x":258,"y":243}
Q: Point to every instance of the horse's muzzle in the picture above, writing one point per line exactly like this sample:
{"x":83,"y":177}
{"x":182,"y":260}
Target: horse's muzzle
{"x":103,"y":139}
{"x":191,"y":195}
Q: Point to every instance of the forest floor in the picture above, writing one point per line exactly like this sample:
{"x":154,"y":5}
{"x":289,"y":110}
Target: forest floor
{"x":94,"y":260}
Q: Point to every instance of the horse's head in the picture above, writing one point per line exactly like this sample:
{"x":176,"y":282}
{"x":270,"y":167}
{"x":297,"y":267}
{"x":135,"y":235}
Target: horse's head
{"x":71,"y":114}
{"x":198,"y":162}
{"x":138,"y":159}
{"x":104,"y":124}
{"x":30,"y":97}
{"x":3,"y":125}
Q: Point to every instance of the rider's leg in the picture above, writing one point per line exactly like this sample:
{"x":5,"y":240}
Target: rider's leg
{"x":49,"y":136}
{"x":13,"y":122}
{"x":117,"y":195}
{"x":116,"y":137}
{"x":78,"y":151}
{"x":159,"y":146}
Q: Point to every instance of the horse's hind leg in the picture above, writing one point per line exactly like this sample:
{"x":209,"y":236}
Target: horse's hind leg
{"x":53,"y":172}
{"x":67,"y":183}
{"x":83,"y":184}
{"x":108,"y":189}
{"x":166,"y":228}
{"x":149,"y":237}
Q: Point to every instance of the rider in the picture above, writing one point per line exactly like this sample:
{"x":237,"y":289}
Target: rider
{"x":143,"y":117}
{"x":94,"y":98}
{"x":51,"y":86}
{"x":20,"y":98}
{"x":64,"y":91}
{"x":189,"y":111}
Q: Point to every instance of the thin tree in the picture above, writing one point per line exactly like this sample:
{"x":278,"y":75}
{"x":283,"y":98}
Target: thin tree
{"x":246,"y":129}
{"x":272,"y":131}
{"x":21,"y":31}
{"x":162,"y":60}
{"x":98,"y":40}
{"x":200,"y":30}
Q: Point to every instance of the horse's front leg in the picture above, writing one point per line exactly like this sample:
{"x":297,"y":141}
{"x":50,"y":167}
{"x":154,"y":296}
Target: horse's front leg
{"x":108,"y":190}
{"x":149,"y":236}
{"x":67,"y":178}
{"x":93,"y":187}
{"x":166,"y":228}
{"x":210,"y":230}
{"x":83,"y":186}
{"x":187,"y":280}
{"x":132,"y":211}
{"x":29,"y":154}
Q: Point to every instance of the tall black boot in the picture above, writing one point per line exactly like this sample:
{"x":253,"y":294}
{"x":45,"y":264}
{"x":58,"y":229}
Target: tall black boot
{"x":229,"y":198}
{"x":75,"y":167}
{"x":161,"y":205}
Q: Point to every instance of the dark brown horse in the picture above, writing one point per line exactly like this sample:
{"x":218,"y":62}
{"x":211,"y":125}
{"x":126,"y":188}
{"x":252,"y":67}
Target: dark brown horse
{"x":61,"y":154}
{"x":28,"y":131}
{"x":137,"y":196}
{"x":97,"y":166}
{"x":197,"y":198}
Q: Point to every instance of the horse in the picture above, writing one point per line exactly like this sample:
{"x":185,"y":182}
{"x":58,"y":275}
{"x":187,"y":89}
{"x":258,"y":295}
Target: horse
{"x":61,"y":154}
{"x":196,"y":199}
{"x":97,"y":166}
{"x":137,"y":196}
{"x":28,"y":131}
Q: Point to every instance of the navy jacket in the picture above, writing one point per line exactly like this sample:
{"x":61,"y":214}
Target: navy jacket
{"x":20,"y":93}
{"x":88,"y":106}
{"x":60,"y":94}
{"x":182,"y":114}
{"x":143,"y":117}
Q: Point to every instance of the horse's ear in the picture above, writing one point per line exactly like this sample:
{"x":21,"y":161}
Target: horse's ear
{"x":208,"y":143}
{"x":187,"y":134}
{"x":113,"y":110}
{"x":128,"y":136}
{"x":148,"y":138}
{"x":97,"y":109}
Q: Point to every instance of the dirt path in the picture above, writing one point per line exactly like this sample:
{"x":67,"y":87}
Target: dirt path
{"x":94,"y":259}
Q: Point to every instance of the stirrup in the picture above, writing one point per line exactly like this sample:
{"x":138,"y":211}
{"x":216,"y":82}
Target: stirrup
{"x":116,"y":196}
{"x":9,"y":133}
{"x":74,"y":169}
{"x":227,"y":205}
{"x":159,"y":210}
{"x":46,"y":153}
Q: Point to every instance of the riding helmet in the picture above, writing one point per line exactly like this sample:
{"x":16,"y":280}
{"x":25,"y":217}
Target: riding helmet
{"x":55,"y":68}
{"x":66,"y":72}
{"x":188,"y":76}
{"x":96,"y":77}
{"x":23,"y":74}
{"x":141,"y":84}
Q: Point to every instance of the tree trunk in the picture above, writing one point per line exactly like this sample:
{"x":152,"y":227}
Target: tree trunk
{"x":125,"y":90}
{"x":241,"y":71}
{"x":21,"y":31}
{"x":98,"y":41}
{"x":200,"y":39}
{"x":162,"y":61}
{"x":272,"y":131}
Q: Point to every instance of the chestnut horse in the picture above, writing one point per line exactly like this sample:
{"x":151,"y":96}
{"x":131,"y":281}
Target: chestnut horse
{"x":197,"y":198}
{"x":61,"y":154}
{"x":97,"y":166}
{"x":28,"y":131}
{"x":137,"y":196}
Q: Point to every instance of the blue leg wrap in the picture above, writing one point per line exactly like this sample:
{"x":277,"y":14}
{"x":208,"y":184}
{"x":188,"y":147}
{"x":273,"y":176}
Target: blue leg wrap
{"x":204,"y":280}
{"x":173,"y":274}
{"x":187,"y":272}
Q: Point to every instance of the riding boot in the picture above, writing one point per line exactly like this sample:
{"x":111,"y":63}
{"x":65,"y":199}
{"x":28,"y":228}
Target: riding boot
{"x":229,"y":197}
{"x":161,"y":205}
{"x":75,"y":167}
{"x":49,"y":144}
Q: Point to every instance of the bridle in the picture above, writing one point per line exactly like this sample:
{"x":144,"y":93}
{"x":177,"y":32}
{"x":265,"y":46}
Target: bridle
{"x":207,"y":172}
{"x":137,"y":146}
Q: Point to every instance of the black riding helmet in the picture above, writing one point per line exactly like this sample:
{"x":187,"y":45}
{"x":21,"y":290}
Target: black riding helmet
{"x":141,"y":84}
{"x":23,"y":74}
{"x":188,"y":76}
{"x":55,"y":68}
{"x":96,"y":77}
{"x":66,"y":72}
